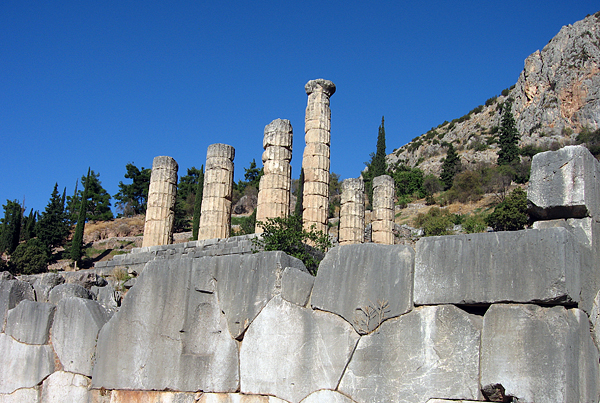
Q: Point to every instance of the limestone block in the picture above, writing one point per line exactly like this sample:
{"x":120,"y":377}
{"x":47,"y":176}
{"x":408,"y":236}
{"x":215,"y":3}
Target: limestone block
{"x":147,"y":396}
{"x":65,"y":387}
{"x":328,"y":396}
{"x":316,"y":188}
{"x":278,"y":133}
{"x":317,"y":133}
{"x":383,"y":238}
{"x":76,"y":325}
{"x":220,"y":151}
{"x":158,"y":228}
{"x":312,"y":201}
{"x":316,"y":161}
{"x":564,"y":184}
{"x":320,"y":84}
{"x":315,"y":216}
{"x":11,"y":293}
{"x":274,"y":166}
{"x":539,"y":354}
{"x":246,"y":283}
{"x":430,"y":352}
{"x":315,"y":175}
{"x":44,"y":283}
{"x":595,"y":320}
{"x":169,"y":326}
{"x":350,"y":236}
{"x":29,"y":395}
{"x":62,"y":291}
{"x":216,"y":204}
{"x":237,"y":398}
{"x":23,"y":365}
{"x":280,"y":183}
{"x":296,"y":285}
{"x":355,"y":278}
{"x":317,"y":148}
{"x":277,"y":154}
{"x":218,"y":190}
{"x":382,"y":226}
{"x":382,"y":214}
{"x":107,"y":297}
{"x":518,"y":266}
{"x":218,"y":175}
{"x":289,"y":351}
{"x":29,"y":322}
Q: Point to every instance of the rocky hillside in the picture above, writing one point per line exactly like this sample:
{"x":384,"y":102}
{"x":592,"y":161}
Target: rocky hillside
{"x":557,"y":94}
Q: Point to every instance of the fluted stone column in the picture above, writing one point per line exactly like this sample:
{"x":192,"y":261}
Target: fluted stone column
{"x":315,"y":161}
{"x":215,"y":221}
{"x":352,"y":212}
{"x":275,"y":184}
{"x":160,"y":213}
{"x":383,"y":210}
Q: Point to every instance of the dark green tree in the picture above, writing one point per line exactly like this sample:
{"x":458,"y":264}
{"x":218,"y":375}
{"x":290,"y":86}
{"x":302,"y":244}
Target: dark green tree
{"x":252,"y":174}
{"x":30,"y":257}
{"x":11,"y":227}
{"x":53,"y":227}
{"x":133,"y":198}
{"x":72,"y":207}
{"x":450,"y":167}
{"x":98,"y":204}
{"x":28,"y":227}
{"x":77,"y":242}
{"x":198,"y":204}
{"x":408,"y":181}
{"x":378,"y":165}
{"x":508,"y":138}
{"x":511,"y":214}
{"x":335,"y":194}
{"x":185,"y":202}
{"x":299,"y":208}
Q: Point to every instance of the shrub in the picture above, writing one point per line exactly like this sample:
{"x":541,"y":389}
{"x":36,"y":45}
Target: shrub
{"x":474,"y":223}
{"x":287,"y":235}
{"x":30,"y":257}
{"x":511,"y":214}
{"x":435,"y":222}
{"x":467,"y":187}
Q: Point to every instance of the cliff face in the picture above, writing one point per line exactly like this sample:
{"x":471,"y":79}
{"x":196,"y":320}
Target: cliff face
{"x":557,"y":94}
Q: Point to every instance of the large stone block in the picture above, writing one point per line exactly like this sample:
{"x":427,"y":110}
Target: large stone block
{"x":430,"y":352}
{"x":23,"y":365}
{"x":76,"y":325}
{"x":29,"y":395}
{"x":236,"y":398}
{"x":44,"y":284}
{"x":67,"y":291}
{"x":65,"y":387}
{"x":246,"y":283}
{"x":539,"y":354}
{"x":11,"y":293}
{"x":169,"y":334}
{"x":146,"y":396}
{"x":328,"y":396}
{"x":354,"y":280}
{"x":296,"y":286}
{"x":518,"y":266}
{"x":30,"y":322}
{"x":290,"y":352}
{"x":564,"y":184}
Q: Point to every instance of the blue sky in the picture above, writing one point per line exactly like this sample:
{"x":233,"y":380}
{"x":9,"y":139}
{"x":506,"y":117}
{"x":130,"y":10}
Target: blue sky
{"x":105,"y":83}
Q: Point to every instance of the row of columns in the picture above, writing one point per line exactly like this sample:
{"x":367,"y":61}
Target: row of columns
{"x":275,"y":184}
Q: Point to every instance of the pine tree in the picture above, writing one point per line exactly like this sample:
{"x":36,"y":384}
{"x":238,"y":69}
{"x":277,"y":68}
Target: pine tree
{"x":509,"y":138}
{"x":450,"y":167}
{"x":72,"y":209}
{"x":11,"y":227}
{"x":198,"y":204}
{"x":299,"y":208}
{"x":52,"y":228}
{"x":378,"y":164}
{"x":28,"y":227}
{"x":133,"y":198}
{"x":77,"y":242}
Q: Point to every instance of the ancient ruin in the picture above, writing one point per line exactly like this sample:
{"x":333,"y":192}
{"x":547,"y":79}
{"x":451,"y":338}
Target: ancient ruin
{"x":383,"y":210}
{"x":215,"y":221}
{"x":160,"y":213}
{"x":352,"y":212}
{"x":275,"y":184}
{"x":315,"y":161}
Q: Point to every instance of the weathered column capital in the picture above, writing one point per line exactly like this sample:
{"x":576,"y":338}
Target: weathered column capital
{"x":320,"y":84}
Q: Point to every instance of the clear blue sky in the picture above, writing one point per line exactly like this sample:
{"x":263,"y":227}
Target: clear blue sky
{"x":104,"y":83}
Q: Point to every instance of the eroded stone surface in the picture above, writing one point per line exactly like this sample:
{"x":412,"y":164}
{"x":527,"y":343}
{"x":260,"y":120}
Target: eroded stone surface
{"x":354,"y":280}
{"x":11,"y":293}
{"x":68,"y":290}
{"x":383,"y":210}
{"x":237,"y":398}
{"x":352,"y":212}
{"x":520,"y":266}
{"x":63,"y":387}
{"x":45,"y":283}
{"x":169,"y":334}
{"x":290,"y":351}
{"x":296,"y":285}
{"x":158,"y":227}
{"x":29,"y":322}
{"x":429,"y":352}
{"x":328,"y":396}
{"x":539,"y":354}
{"x":77,"y":322}
{"x":564,"y":184}
{"x":23,"y":365}
{"x":146,"y":396}
{"x":29,"y":395}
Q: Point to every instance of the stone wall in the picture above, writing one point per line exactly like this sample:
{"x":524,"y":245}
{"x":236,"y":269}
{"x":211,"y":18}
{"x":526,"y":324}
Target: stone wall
{"x":507,"y":316}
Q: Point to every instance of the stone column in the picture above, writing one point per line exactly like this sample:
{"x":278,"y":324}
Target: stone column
{"x":352,"y":212}
{"x":383,"y":210}
{"x":275,"y":184}
{"x":215,"y":221}
{"x":315,"y":161}
{"x":160,"y":213}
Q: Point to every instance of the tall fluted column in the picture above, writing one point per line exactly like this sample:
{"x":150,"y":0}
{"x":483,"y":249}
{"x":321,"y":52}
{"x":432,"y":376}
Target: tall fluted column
{"x":215,"y":221}
{"x":352,"y":212}
{"x":315,"y":161}
{"x":160,"y":213}
{"x":275,"y":184}
{"x":383,"y":210}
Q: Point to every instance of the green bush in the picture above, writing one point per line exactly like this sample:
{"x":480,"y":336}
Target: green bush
{"x":467,"y":187}
{"x":287,"y":235}
{"x":30,"y":257}
{"x":435,"y":222}
{"x":474,"y":223}
{"x":511,"y":214}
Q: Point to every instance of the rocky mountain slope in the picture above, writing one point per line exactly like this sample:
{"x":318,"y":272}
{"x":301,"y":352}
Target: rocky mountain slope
{"x":557,"y":94}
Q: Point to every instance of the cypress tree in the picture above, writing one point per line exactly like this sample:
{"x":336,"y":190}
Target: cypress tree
{"x":378,"y":165}
{"x":52,"y":228}
{"x":299,"y":208}
{"x":77,"y":243}
{"x":509,"y":138}
{"x":450,"y":167}
{"x":198,"y":204}
{"x":11,"y":227}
